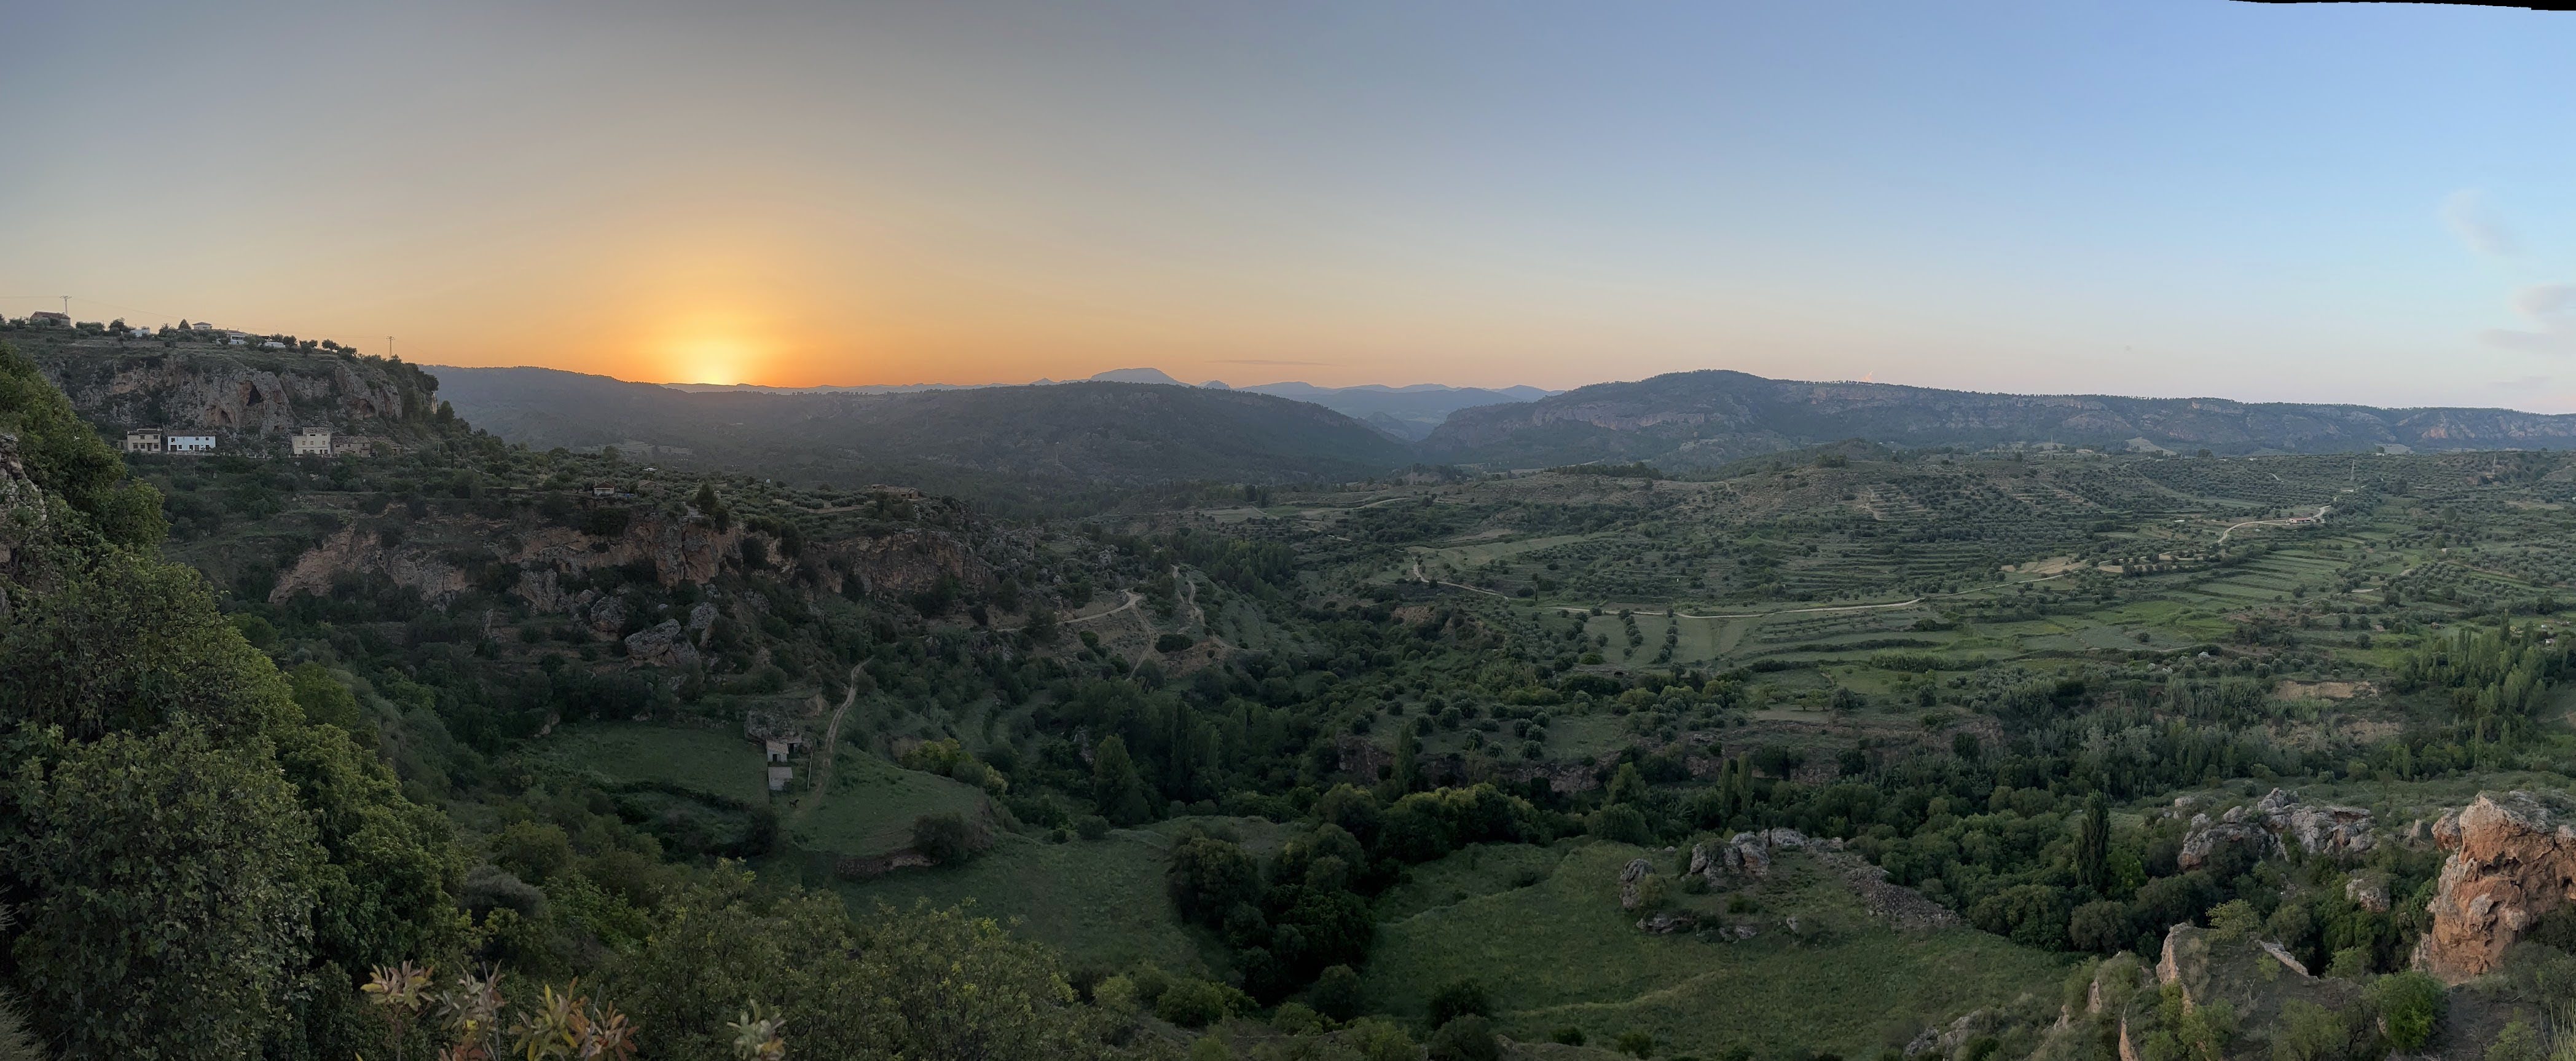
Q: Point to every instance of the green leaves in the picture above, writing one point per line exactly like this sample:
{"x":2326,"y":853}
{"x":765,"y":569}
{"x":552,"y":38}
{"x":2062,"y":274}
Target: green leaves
{"x":171,"y":883}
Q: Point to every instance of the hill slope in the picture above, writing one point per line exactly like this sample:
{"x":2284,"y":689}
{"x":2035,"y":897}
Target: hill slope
{"x":980,"y":440}
{"x":1707,"y":418}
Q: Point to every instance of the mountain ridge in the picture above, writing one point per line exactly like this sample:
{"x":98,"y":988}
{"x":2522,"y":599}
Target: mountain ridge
{"x":1709,"y":417}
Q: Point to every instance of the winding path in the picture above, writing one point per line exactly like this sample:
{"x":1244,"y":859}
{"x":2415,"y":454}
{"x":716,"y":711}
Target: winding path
{"x":2292,"y":521}
{"x":821,"y":782}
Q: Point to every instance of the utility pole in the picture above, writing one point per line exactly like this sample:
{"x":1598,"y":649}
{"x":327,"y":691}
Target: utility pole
{"x":67,"y":305}
{"x":389,"y":348}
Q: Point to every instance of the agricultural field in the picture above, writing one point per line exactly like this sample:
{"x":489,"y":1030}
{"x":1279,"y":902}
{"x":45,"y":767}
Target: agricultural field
{"x":1557,"y":952}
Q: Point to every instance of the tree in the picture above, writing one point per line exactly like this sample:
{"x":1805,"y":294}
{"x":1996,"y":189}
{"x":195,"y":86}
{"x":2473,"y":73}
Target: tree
{"x":324,"y":699}
{"x":851,"y":986}
{"x":1620,"y":823}
{"x":171,"y":882}
{"x":1407,"y":775}
{"x":1209,"y":877}
{"x":1116,"y":786}
{"x":2100,"y":926}
{"x":949,"y":838}
{"x":2093,"y":847}
{"x":1627,"y":786}
{"x":1336,"y":993}
{"x":2310,"y":1032}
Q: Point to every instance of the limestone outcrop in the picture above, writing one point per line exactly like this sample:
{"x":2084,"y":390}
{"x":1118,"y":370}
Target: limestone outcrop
{"x":1630,"y":879}
{"x":2273,"y":822}
{"x":2511,"y":860}
{"x":241,"y":394}
{"x":663,"y":645}
{"x":1744,"y":854}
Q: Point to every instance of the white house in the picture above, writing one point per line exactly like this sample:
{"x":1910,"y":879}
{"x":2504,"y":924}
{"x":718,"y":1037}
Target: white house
{"x":189,"y":443}
{"x":779,"y":776}
{"x":313,"y":442}
{"x":272,"y":345}
{"x":147,"y":440}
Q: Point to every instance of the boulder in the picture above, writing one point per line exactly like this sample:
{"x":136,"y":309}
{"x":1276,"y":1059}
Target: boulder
{"x":1636,"y":872}
{"x":607,"y":615}
{"x":2511,"y":860}
{"x":663,"y":645}
{"x":2368,"y":891}
{"x":702,"y":619}
{"x":2273,"y":822}
{"x":1746,"y":854}
{"x":1667,"y":922}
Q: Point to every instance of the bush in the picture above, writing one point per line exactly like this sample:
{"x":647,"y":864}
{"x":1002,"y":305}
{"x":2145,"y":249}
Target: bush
{"x":1467,"y":1038}
{"x":1091,"y":827}
{"x":1568,"y":1035}
{"x":2517,"y":1042}
{"x":1378,"y":1039}
{"x":1296,"y":1018}
{"x":1635,"y":1044}
{"x":1198,"y":1003}
{"x":1620,"y":824}
{"x":1170,"y":643}
{"x":1336,"y":993}
{"x":1459,"y":998}
{"x":949,"y":839}
{"x":2411,"y":1003}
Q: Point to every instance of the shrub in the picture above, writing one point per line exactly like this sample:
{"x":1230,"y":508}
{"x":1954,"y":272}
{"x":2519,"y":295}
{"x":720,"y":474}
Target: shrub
{"x":2411,"y":1003}
{"x":1378,"y":1039}
{"x":1091,"y":827}
{"x":1568,"y":1035}
{"x":1296,"y":1018}
{"x":949,"y":839}
{"x":1620,"y":824}
{"x":1459,"y":998}
{"x":1170,"y":643}
{"x":1635,"y":1044}
{"x":2517,"y":1042}
{"x":1467,"y":1038}
{"x":1198,"y":1003}
{"x":1336,"y":993}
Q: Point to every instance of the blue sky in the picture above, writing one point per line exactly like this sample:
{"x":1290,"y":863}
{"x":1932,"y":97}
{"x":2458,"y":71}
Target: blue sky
{"x":2363,"y":202}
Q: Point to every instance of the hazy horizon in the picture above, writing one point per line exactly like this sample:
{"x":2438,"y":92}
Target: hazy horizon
{"x":2316,"y":203}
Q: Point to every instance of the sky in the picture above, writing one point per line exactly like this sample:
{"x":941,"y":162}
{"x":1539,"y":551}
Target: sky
{"x":2364,"y":202}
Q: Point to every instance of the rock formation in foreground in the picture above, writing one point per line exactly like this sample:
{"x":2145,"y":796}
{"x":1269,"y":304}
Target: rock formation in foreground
{"x":2511,"y":861}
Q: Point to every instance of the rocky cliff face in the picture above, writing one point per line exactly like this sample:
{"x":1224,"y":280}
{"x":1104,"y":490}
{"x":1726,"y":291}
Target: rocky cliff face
{"x":905,"y":563}
{"x":2512,"y":859}
{"x":237,"y":392}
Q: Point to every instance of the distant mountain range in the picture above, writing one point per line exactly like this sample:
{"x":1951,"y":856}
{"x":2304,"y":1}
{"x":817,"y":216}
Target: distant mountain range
{"x":1701,"y":419}
{"x":991,"y":443}
{"x":1404,"y":413}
